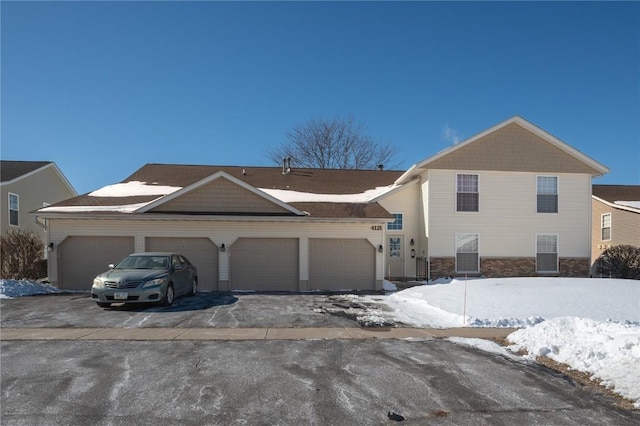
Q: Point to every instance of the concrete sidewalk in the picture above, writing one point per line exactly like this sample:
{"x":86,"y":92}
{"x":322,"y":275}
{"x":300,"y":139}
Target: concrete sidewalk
{"x":181,"y":334}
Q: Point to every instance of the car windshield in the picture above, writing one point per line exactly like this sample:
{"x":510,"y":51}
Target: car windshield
{"x":144,"y":262}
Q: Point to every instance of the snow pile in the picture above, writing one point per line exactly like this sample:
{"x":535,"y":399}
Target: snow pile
{"x":134,"y":188}
{"x":608,"y":351}
{"x":16,"y":288}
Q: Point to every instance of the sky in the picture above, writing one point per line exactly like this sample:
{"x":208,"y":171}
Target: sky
{"x":102,"y":88}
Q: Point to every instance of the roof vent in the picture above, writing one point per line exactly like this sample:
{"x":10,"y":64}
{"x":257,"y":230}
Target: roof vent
{"x":286,"y":165}
{"x":380,"y":166}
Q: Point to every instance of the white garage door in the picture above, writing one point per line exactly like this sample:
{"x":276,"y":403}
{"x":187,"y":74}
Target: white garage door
{"x":202,"y":252}
{"x":336,"y":264}
{"x":264,"y":264}
{"x":82,"y":258}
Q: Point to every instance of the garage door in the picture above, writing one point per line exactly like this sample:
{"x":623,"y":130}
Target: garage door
{"x":336,"y":264}
{"x":202,"y":252}
{"x":82,"y":258}
{"x":264,"y":264}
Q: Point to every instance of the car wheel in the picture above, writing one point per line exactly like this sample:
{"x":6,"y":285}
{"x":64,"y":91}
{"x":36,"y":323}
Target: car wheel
{"x":194,"y":287}
{"x":103,"y":305}
{"x":168,"y":296}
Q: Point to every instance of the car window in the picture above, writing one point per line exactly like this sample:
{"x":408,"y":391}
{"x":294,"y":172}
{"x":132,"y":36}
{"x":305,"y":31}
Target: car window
{"x":184,"y":260}
{"x":175,"y":261}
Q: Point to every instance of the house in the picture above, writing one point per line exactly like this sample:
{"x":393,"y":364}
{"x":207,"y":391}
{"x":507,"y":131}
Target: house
{"x":616,"y":219}
{"x":28,"y":186}
{"x":510,"y":201}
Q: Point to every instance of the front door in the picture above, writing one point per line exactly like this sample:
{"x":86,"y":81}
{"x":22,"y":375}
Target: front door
{"x":395,"y":259}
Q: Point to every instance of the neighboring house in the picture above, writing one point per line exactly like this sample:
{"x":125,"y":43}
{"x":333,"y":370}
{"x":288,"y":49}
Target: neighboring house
{"x":510,"y":201}
{"x":616,"y":219}
{"x":28,"y":186}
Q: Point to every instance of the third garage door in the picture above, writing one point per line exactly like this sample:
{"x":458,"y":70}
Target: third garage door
{"x":341,"y":264}
{"x":264,"y":264}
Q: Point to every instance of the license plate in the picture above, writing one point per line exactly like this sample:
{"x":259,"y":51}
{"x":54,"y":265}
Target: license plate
{"x":120,"y":295}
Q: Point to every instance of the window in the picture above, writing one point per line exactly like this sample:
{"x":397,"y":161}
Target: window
{"x":547,"y":194}
{"x":547,"y":253}
{"x":397,"y":222}
{"x":467,"y":259}
{"x":394,"y":246}
{"x":14,"y":209}
{"x":605,"y":226}
{"x":467,"y":197}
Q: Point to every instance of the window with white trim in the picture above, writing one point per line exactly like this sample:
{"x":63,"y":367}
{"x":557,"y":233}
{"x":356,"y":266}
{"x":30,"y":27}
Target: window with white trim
{"x":14,"y":209}
{"x":547,"y":194}
{"x":467,"y":195}
{"x":605,"y":227}
{"x":547,"y":253}
{"x":467,"y":258}
{"x":398,"y":222}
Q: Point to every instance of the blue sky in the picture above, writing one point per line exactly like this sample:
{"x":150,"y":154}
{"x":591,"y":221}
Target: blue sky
{"x":102,"y":88}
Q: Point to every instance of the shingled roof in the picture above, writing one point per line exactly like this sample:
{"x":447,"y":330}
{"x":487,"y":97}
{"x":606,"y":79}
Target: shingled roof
{"x":10,"y":170}
{"x":613,"y":193}
{"x":337,"y":182}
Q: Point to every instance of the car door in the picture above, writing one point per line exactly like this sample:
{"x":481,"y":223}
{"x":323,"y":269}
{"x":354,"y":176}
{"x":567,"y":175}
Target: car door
{"x":180,"y":275}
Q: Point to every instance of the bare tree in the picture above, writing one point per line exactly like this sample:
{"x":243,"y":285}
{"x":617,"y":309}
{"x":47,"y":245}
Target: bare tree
{"x":333,"y":144}
{"x":621,"y":261}
{"x":21,"y":255}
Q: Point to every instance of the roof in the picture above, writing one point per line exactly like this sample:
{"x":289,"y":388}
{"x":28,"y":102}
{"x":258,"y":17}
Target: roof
{"x":11,"y":170}
{"x":320,"y":193}
{"x":518,"y":159}
{"x":625,"y":197}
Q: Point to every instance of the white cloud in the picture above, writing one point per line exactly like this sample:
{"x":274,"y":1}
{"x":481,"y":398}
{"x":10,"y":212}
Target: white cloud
{"x":450,"y":134}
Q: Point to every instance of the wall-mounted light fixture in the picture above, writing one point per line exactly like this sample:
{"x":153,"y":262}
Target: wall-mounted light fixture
{"x":412,"y":242}
{"x":380,"y":248}
{"x":413,"y":253}
{"x":223,"y":248}
{"x":50,"y":246}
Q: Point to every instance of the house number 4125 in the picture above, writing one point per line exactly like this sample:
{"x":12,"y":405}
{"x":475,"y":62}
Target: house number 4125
{"x":376,"y":227}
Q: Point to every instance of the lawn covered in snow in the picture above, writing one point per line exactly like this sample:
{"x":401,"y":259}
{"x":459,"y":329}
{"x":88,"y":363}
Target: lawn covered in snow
{"x":592,"y":325}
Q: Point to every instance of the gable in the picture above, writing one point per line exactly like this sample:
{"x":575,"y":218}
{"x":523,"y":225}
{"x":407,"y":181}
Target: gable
{"x":512,"y":148}
{"x":220,"y":196}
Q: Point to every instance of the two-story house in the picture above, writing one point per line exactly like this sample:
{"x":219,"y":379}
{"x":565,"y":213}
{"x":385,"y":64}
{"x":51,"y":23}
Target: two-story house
{"x":27,"y":186}
{"x":512,"y":200}
{"x":616,"y":219}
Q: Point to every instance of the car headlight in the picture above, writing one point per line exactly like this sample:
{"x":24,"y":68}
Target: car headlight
{"x":157,"y":281}
{"x":98,"y":283}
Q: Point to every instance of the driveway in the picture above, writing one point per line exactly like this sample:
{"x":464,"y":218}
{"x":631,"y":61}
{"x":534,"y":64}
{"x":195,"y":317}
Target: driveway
{"x":221,"y":310}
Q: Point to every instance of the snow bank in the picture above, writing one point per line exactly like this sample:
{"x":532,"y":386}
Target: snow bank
{"x":609,"y":351}
{"x":16,"y":288}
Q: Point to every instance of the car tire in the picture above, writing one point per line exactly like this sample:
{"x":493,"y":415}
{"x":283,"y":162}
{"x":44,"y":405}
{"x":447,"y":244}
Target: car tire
{"x":169,"y":296}
{"x":103,"y":305}
{"x":194,"y":287}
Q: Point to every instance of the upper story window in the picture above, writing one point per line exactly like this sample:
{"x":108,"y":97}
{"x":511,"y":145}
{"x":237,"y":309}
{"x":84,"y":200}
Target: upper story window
{"x":398,"y":222}
{"x":547,"y":190}
{"x":605,"y":226}
{"x":467,"y":195}
{"x":14,"y":209}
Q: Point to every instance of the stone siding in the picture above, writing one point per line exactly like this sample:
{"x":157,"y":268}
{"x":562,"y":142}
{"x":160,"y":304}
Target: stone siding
{"x":575,"y":267}
{"x":441,"y":267}
{"x":508,"y":267}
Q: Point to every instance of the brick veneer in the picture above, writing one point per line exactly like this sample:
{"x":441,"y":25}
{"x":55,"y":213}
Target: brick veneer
{"x":510,"y":267}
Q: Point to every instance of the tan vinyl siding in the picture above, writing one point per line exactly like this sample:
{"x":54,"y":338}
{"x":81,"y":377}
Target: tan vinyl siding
{"x":507,"y":222}
{"x":220,"y":196}
{"x":625,"y":228}
{"x":512,"y":148}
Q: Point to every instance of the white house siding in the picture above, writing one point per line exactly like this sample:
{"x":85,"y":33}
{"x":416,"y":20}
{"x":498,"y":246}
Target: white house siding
{"x":407,"y":202}
{"x":220,"y":232}
{"x":508,"y":224}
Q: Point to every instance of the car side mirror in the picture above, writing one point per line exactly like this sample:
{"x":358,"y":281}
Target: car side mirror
{"x":111,"y":266}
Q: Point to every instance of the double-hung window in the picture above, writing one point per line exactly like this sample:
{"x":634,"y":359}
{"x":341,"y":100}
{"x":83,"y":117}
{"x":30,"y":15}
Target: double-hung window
{"x":547,"y":192}
{"x":397,"y":223}
{"x":14,"y":210}
{"x":467,"y":258}
{"x":467,"y":195}
{"x":547,"y":253}
{"x":605,"y":227}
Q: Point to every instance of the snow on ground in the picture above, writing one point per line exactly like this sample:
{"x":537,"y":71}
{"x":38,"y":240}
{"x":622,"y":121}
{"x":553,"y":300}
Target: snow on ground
{"x":592,"y":325}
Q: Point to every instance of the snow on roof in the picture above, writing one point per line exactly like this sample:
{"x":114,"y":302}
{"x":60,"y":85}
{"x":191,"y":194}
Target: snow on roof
{"x":134,"y":188}
{"x":125,"y":208}
{"x":634,"y":204}
{"x":287,"y":196}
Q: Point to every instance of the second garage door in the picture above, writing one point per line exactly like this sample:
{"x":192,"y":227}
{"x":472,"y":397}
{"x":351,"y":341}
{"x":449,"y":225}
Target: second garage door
{"x":264,"y":264}
{"x":337,"y":264}
{"x":200,"y":251}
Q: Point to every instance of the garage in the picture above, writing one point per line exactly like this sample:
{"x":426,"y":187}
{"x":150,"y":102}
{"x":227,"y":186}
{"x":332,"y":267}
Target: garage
{"x":264,"y":264}
{"x":339,"y":264}
{"x":82,"y":258}
{"x":202,"y":252}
